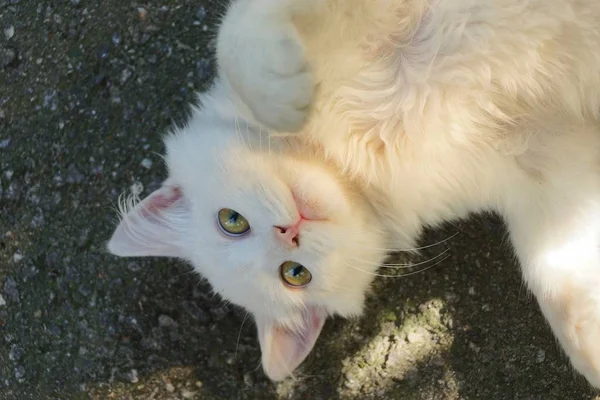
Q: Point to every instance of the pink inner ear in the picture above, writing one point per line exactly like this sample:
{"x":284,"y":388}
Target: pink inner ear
{"x":154,"y":227}
{"x":161,"y":201}
{"x":283,"y":350}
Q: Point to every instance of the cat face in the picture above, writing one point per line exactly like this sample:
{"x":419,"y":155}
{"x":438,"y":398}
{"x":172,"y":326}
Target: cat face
{"x":280,"y":235}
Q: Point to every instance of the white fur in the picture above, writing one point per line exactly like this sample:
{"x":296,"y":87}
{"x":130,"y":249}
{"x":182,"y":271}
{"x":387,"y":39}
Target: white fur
{"x":419,"y":112}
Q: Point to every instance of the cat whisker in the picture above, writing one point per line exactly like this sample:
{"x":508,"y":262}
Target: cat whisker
{"x":426,"y":268}
{"x":260,"y":147}
{"x":379,"y":265}
{"x":410,"y":265}
{"x":413,"y":249}
{"x":237,"y":343}
{"x":240,"y":135}
{"x":193,"y":271}
{"x":257,"y":366}
{"x":162,"y":157}
{"x":404,"y":265}
{"x":248,"y":136}
{"x":238,"y":132}
{"x":430,"y":245}
{"x":400,"y":275}
{"x":199,"y":282}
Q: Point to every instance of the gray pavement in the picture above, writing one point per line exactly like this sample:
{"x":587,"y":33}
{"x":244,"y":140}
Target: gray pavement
{"x":86,"y":90}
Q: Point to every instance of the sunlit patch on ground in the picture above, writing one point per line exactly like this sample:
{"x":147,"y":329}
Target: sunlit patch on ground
{"x":393,"y":355}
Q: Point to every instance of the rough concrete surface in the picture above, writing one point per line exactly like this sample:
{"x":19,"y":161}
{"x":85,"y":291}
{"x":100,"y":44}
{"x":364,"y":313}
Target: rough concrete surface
{"x":86,"y":90}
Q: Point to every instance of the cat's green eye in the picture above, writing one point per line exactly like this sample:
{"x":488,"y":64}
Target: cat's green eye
{"x":232,"y":223}
{"x":294,"y":274}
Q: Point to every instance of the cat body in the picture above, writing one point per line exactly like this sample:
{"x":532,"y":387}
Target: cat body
{"x":340,"y":128}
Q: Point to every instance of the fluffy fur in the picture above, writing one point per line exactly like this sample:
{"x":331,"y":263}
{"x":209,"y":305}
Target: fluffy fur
{"x":397,"y":114}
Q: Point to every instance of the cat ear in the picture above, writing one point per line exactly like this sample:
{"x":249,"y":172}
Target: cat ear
{"x":283,"y":349}
{"x":153,"y":227}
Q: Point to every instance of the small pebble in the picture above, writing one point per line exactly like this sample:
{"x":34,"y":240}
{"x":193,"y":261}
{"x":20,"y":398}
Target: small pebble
{"x":418,"y":335}
{"x":10,"y":289}
{"x":166,"y":321}
{"x":474,"y":347}
{"x":7,"y":56}
{"x":9,"y":32}
{"x":103,"y":53}
{"x":2,"y":301}
{"x":125,"y":75}
{"x":146,"y":163}
{"x":133,"y":376}
{"x":50,"y":100}
{"x":14,"y":191}
{"x":38,"y":219}
{"x":142,"y":13}
{"x":17,"y":257}
{"x":187,"y":394}
{"x":170,"y":388}
{"x":201,"y":14}
{"x":15,"y":353}
{"x":541,"y":356}
{"x":19,"y":372}
{"x":136,"y":189}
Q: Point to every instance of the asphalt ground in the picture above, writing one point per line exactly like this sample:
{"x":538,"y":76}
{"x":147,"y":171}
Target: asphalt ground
{"x":87,"y":88}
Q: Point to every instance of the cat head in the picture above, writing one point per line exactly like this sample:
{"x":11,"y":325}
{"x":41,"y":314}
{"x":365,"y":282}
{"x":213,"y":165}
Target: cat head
{"x":278,"y":234}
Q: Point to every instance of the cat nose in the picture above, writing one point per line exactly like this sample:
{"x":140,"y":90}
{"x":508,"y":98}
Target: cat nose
{"x":288,"y":235}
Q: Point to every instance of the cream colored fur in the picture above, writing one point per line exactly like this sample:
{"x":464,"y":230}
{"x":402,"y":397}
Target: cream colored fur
{"x":418,"y":112}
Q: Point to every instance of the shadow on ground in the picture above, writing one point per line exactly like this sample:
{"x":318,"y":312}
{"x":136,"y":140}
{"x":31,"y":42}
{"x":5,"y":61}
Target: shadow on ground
{"x":86,"y":89}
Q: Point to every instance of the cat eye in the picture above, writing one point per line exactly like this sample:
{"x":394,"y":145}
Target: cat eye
{"x":294,"y":274}
{"x":232,"y":223}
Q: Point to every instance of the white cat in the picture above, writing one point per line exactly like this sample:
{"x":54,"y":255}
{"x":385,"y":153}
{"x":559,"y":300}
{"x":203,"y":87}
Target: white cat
{"x":405,"y":113}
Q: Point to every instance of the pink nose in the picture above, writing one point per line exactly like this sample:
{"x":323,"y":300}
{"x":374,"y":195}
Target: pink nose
{"x":288,"y":234}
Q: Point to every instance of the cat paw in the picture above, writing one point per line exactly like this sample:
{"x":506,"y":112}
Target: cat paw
{"x":584,"y":349}
{"x":577,"y":325}
{"x":278,"y":87}
{"x":267,"y":68}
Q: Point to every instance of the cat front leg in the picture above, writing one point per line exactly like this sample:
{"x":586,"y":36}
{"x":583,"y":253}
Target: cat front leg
{"x":260,"y":54}
{"x":556,"y":234}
